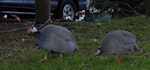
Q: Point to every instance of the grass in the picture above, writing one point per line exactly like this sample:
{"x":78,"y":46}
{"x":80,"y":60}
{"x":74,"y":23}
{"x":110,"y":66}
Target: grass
{"x":16,"y":54}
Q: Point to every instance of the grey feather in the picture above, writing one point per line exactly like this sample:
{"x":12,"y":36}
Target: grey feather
{"x":119,"y":42}
{"x":57,"y":39}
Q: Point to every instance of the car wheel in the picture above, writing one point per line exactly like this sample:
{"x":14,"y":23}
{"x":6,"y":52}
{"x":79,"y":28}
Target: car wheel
{"x":67,"y":10}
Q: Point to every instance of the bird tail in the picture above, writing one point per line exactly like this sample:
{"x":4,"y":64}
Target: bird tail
{"x":137,"y":49}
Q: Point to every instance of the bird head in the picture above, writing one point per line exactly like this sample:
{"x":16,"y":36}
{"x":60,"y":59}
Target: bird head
{"x":97,"y":52}
{"x":32,"y":29}
{"x":138,"y":51}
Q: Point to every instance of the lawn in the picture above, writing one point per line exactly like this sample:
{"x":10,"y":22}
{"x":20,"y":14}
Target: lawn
{"x":19,"y":52}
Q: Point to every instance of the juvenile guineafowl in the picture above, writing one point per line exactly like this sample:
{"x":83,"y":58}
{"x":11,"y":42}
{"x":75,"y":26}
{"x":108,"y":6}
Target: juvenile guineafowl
{"x":118,"y":42}
{"x":54,"y":39}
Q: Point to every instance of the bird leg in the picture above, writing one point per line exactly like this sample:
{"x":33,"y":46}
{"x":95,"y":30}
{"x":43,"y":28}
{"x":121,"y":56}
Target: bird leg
{"x":45,"y":58}
{"x":117,"y":57}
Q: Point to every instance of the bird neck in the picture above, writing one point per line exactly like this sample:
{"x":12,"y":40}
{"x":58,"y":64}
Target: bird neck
{"x":35,"y":33}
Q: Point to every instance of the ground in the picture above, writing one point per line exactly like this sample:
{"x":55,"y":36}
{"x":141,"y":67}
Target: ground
{"x":18,"y":50}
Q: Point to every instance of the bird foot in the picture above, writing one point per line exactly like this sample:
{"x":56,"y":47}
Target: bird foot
{"x":59,"y":56}
{"x":44,"y":59}
{"x":117,"y":58}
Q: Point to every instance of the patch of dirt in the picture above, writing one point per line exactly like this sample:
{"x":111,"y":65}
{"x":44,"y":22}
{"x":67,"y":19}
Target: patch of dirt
{"x":11,"y":25}
{"x":14,"y":40}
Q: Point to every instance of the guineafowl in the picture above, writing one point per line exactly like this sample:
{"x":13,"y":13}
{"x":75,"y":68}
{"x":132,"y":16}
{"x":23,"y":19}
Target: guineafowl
{"x":118,"y":42}
{"x":54,"y":39}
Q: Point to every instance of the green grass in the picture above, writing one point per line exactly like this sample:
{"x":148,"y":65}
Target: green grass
{"x":18,"y":55}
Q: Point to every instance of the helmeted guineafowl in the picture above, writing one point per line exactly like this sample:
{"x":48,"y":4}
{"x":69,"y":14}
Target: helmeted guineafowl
{"x":118,"y":42}
{"x":54,"y":38}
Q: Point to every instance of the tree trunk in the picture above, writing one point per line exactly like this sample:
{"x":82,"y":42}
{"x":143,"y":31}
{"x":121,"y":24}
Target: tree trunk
{"x":42,"y":9}
{"x":148,"y":8}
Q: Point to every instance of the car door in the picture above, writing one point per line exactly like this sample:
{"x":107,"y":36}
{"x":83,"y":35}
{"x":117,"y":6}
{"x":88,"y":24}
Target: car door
{"x":12,"y":3}
{"x":82,"y":4}
{"x":31,"y":4}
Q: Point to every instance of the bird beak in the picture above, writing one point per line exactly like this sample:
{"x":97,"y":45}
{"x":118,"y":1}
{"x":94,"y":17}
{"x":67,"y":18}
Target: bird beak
{"x":95,"y":54}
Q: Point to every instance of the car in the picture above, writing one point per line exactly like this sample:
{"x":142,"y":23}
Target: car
{"x":59,"y":8}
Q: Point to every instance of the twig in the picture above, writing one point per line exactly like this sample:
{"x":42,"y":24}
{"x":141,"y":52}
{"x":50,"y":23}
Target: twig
{"x":49,"y":19}
{"x":12,"y":30}
{"x":132,"y":8}
{"x":148,"y":53}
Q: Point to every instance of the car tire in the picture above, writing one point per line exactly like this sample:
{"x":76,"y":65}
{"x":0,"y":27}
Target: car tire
{"x":67,"y":10}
